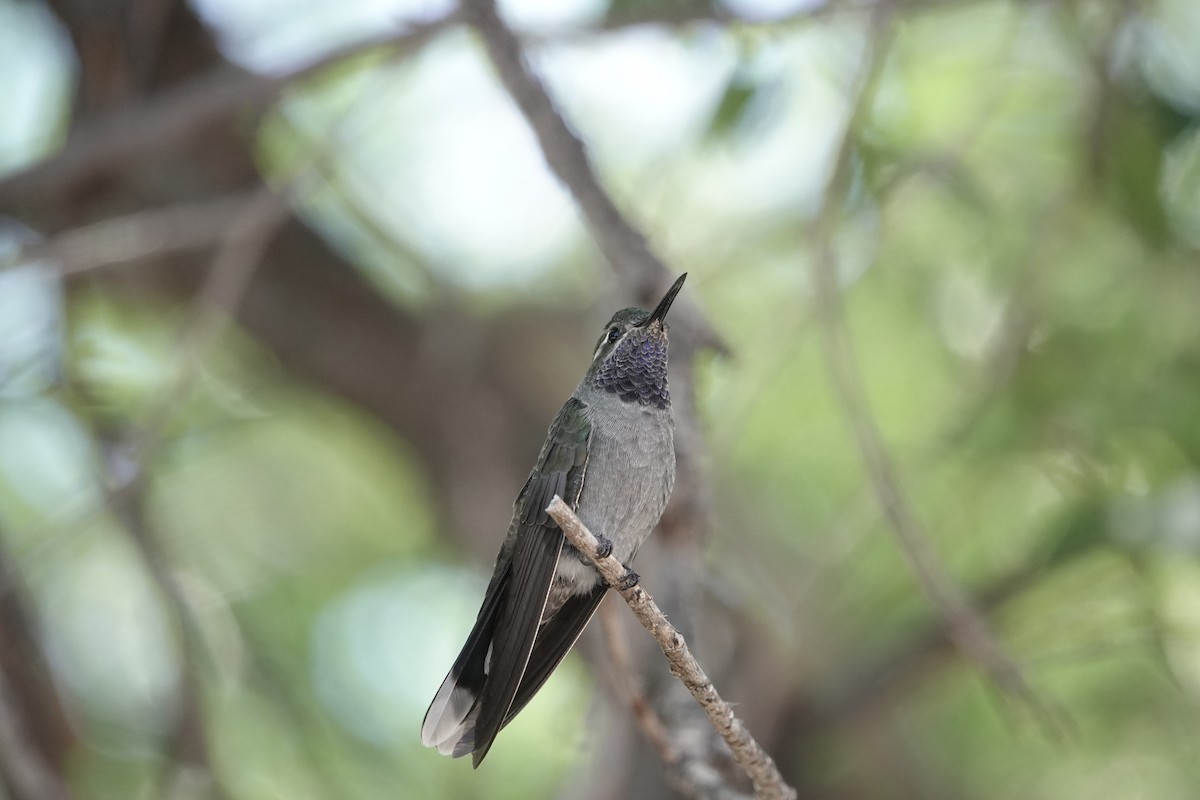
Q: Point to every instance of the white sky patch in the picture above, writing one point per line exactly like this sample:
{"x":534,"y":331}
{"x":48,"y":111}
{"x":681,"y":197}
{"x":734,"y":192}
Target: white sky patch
{"x":35,"y":61}
{"x":441,"y":157}
{"x":639,"y":94}
{"x":786,"y":163}
{"x":380,"y":650}
{"x":1165,"y":40}
{"x":458,"y":172}
{"x":765,"y":10}
{"x":274,"y":35}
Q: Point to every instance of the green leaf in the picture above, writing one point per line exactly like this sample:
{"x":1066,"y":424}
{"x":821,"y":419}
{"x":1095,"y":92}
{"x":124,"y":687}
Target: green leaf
{"x":738,"y":98}
{"x":1135,"y":140}
{"x":1083,"y":529}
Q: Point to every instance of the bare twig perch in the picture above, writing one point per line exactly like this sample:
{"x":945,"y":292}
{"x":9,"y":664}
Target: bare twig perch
{"x":747,"y":753}
{"x":689,"y":769}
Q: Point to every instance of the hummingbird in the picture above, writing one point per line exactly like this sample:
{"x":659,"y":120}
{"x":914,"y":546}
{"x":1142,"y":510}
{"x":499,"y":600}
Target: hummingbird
{"x":610,"y":455}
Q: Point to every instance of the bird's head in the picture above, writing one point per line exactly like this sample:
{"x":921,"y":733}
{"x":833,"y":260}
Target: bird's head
{"x":630,"y":358}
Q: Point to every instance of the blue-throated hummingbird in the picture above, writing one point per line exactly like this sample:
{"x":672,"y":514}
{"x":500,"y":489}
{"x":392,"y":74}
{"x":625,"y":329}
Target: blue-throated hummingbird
{"x":610,"y":455}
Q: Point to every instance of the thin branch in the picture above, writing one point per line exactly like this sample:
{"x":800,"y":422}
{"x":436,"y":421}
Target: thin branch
{"x":625,"y":682}
{"x":125,"y":468}
{"x":690,"y":772}
{"x":149,"y":233}
{"x":232,"y":268}
{"x":189,"y":738}
{"x":624,"y":246}
{"x":878,"y":677}
{"x":241,"y":250}
{"x":131,"y":132}
{"x":967,"y":628}
{"x":747,"y":753}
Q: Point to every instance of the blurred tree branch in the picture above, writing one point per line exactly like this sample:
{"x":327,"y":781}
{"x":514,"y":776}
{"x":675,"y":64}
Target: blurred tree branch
{"x":172,"y":122}
{"x":688,"y":771}
{"x":876,"y":679}
{"x":189,"y":746}
{"x":127,"y":463}
{"x":126,"y":127}
{"x":640,"y":271}
{"x":626,"y":685}
{"x":242,"y":248}
{"x":966,"y":627}
{"x":144,"y":234}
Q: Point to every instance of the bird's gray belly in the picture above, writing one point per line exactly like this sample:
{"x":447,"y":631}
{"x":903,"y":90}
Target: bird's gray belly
{"x":629,"y":477}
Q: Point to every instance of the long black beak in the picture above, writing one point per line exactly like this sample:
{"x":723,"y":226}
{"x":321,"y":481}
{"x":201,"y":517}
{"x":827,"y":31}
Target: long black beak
{"x":660,"y":311}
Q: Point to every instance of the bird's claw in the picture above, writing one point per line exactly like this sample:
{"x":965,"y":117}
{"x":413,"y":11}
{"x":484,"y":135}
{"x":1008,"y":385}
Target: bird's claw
{"x":604,"y":546}
{"x":628,"y":580}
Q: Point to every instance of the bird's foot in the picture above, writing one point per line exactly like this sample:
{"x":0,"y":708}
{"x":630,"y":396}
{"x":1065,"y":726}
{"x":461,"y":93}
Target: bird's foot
{"x":628,"y":580}
{"x":604,"y":546}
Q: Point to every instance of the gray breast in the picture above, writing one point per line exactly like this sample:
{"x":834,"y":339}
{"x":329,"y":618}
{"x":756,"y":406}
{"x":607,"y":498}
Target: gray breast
{"x":630,"y":474}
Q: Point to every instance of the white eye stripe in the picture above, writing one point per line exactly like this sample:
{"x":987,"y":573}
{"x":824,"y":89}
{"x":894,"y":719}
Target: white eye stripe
{"x":607,"y":339}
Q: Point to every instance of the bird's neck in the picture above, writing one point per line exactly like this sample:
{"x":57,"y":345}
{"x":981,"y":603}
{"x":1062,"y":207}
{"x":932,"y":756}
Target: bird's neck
{"x":636,"y":371}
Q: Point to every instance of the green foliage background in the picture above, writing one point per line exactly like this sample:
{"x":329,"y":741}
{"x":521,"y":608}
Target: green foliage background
{"x":1018,"y":252}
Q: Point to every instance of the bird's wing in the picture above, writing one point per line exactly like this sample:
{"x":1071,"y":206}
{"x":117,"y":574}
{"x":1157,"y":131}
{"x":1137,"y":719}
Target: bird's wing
{"x":559,"y":471}
{"x":554,"y":641}
{"x":474,"y":701}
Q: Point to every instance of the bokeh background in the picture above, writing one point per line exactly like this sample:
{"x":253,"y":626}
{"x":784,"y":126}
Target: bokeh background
{"x":288,"y":296}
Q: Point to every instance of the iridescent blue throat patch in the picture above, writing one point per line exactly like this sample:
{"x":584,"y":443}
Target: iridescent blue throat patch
{"x":637,"y":370}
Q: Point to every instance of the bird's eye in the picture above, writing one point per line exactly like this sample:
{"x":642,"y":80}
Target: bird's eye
{"x":614,"y":334}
